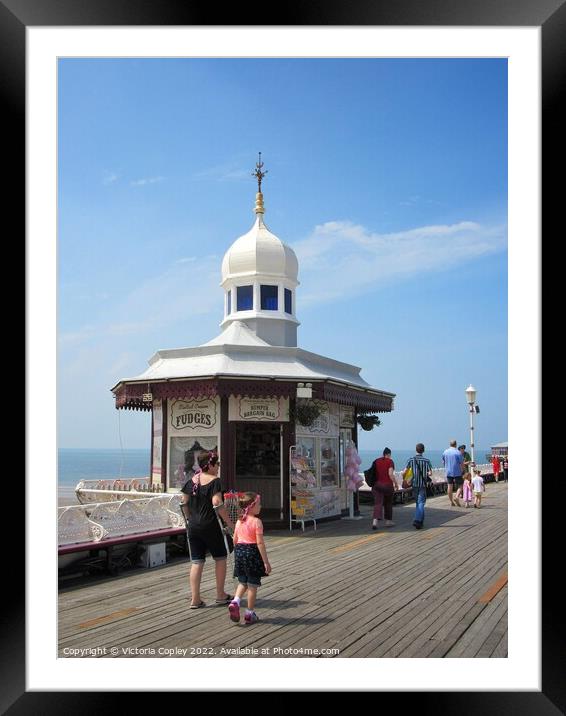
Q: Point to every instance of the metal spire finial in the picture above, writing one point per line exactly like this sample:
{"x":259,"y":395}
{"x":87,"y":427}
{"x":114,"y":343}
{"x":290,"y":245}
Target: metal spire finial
{"x":258,"y":173}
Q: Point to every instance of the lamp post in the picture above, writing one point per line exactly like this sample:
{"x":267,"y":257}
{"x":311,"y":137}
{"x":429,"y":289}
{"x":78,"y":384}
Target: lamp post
{"x":471,"y":398}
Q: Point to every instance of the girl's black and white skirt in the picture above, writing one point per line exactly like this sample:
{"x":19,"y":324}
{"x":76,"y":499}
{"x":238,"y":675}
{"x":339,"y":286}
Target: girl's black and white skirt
{"x":248,"y":564}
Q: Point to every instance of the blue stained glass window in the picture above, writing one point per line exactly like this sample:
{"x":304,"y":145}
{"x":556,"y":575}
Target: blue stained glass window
{"x":245,"y":301}
{"x":288,"y":301}
{"x":269,"y":298}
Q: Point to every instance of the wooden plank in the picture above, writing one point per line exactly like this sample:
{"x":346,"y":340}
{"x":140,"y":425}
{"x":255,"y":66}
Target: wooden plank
{"x":413,"y":626}
{"x":360,"y":620}
{"x":105,"y":618}
{"x":302,"y":603}
{"x":435,"y":638}
{"x":402,"y":617}
{"x":356,"y":543}
{"x":498,"y":631}
{"x":494,"y":589}
{"x":480,"y":630}
{"x":501,"y":650}
{"x":455,"y":630}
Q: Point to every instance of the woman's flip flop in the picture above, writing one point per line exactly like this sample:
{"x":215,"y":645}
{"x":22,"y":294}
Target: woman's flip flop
{"x":227,"y":599}
{"x":197,"y":606}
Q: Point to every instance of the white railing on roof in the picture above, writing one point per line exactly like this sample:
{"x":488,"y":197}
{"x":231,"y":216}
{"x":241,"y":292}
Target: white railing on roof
{"x":105,"y":520}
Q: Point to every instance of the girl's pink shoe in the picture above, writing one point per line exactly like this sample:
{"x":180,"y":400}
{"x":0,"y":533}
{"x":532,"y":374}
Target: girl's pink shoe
{"x":234,"y":611}
{"x":251,"y":618}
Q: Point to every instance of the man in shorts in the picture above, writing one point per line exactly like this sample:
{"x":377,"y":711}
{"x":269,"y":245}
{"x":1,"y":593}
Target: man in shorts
{"x":453,"y":460}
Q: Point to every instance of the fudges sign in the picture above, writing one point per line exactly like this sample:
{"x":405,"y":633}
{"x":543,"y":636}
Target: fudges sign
{"x":193,"y":417}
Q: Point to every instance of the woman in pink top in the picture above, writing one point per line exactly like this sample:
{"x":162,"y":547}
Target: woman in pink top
{"x":250,"y":557}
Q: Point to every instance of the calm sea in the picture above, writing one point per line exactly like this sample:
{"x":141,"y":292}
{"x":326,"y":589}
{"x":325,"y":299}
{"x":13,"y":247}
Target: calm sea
{"x":77,"y":464}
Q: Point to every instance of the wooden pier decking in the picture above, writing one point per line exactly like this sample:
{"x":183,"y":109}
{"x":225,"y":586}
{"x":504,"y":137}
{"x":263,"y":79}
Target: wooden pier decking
{"x":397,"y":592}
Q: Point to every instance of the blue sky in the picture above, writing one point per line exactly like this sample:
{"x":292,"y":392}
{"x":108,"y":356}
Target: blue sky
{"x":387,"y":177}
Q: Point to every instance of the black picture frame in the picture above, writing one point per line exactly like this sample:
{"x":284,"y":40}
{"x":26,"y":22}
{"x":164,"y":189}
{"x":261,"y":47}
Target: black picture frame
{"x":549,"y":15}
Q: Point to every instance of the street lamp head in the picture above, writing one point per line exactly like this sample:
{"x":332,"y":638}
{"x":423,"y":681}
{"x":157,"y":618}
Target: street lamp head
{"x":471,"y":394}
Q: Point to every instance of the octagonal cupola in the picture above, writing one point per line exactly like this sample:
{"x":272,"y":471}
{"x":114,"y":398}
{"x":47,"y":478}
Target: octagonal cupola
{"x":259,"y":277}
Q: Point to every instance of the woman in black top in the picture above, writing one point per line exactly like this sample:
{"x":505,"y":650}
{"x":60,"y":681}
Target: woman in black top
{"x":202,"y":498}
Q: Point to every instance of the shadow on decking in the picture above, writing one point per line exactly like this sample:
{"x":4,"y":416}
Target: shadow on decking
{"x":281,"y":621}
{"x":359,"y":528}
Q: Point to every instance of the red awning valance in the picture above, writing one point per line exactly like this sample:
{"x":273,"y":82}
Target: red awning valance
{"x":130,"y":396}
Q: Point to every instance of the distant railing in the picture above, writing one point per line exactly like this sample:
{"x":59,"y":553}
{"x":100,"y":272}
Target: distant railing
{"x":106,"y":490}
{"x":105,"y":520}
{"x":438,"y":476}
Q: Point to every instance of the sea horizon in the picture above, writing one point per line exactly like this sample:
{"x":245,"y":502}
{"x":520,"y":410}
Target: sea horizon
{"x":76,"y":464}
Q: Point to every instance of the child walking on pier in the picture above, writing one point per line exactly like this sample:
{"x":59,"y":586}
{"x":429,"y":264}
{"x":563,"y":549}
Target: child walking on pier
{"x":251,"y":562}
{"x":467,"y":491}
{"x":479,"y":487}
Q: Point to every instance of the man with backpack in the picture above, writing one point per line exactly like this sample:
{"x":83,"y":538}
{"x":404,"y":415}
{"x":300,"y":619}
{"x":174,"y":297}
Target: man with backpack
{"x":383,"y":489}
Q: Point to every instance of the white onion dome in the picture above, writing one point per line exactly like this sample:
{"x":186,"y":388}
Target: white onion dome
{"x":259,"y":252}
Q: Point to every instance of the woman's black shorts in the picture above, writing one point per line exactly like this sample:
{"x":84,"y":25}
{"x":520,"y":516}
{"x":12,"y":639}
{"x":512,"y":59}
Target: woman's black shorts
{"x":210,"y":540}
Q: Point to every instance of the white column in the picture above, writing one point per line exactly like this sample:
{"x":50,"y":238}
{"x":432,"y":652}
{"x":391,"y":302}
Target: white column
{"x":472,"y":433}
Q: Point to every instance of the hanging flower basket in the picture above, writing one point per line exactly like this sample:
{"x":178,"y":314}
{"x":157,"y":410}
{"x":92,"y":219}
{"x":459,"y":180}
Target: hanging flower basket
{"x":305,"y":413}
{"x":368,"y":422}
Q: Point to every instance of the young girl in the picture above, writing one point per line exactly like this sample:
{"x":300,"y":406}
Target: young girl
{"x":479,"y":487}
{"x":467,"y":489}
{"x":250,"y":556}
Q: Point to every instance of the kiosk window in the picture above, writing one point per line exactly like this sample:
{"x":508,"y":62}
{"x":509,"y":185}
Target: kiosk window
{"x":328,"y":462}
{"x":269,"y":298}
{"x":245,"y":298}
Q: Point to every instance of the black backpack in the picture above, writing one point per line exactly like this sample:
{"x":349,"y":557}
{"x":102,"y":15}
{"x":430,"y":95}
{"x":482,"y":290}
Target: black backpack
{"x":370,"y":475}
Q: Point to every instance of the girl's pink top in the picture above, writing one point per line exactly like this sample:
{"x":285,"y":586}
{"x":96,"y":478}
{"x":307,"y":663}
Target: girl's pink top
{"x":467,"y":490}
{"x":247,"y":532}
